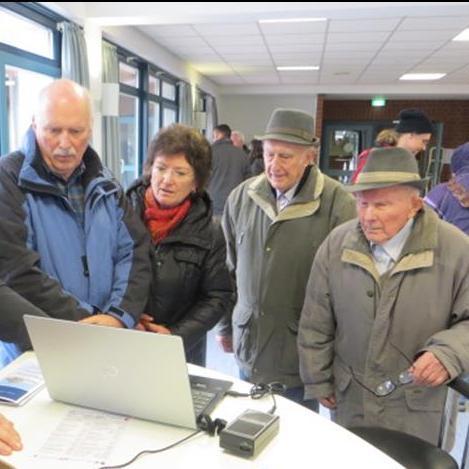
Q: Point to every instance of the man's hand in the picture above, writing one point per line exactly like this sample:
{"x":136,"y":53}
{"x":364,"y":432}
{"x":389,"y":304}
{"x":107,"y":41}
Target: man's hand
{"x":226,"y":343}
{"x":103,"y":320}
{"x":427,"y":370}
{"x":9,"y":438}
{"x":328,"y":401}
{"x":147,"y":324}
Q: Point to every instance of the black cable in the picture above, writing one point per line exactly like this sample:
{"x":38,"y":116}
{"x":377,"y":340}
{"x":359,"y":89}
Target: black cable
{"x":151,"y":451}
{"x":260,"y":390}
{"x":257,"y":391}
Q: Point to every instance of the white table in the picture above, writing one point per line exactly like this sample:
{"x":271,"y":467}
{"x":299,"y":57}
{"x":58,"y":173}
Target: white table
{"x":305,"y":439}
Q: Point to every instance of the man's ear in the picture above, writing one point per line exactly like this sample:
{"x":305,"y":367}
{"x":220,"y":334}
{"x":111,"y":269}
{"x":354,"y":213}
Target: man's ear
{"x":417,"y":204}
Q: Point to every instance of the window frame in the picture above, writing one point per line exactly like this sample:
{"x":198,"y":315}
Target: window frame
{"x":12,"y":56}
{"x":144,"y":97}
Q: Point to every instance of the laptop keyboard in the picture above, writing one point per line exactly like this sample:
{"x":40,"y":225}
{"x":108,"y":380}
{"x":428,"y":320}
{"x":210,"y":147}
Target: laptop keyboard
{"x":207,"y":392}
{"x":202,"y":400}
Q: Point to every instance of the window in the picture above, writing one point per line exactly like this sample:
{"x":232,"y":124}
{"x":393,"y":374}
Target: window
{"x":153,"y":119}
{"x":153,"y":85}
{"x":128,"y":112}
{"x":128,"y":75}
{"x":25,"y":34}
{"x":169,"y":117}
{"x":169,"y":91}
{"x":148,"y":101}
{"x":22,"y":89}
{"x":29,"y":60}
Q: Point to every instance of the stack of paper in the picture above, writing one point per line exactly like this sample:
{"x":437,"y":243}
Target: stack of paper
{"x":20,"y":383}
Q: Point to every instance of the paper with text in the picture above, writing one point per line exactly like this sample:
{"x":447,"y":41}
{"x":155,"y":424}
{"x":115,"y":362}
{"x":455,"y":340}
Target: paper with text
{"x":83,"y":435}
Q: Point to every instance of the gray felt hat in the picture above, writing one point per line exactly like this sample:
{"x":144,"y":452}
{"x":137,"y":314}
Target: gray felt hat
{"x":290,"y":125}
{"x":386,"y":167}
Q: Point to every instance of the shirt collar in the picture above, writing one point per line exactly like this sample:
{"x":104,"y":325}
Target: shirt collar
{"x":79,"y":170}
{"x":289,"y":194}
{"x":393,"y":246}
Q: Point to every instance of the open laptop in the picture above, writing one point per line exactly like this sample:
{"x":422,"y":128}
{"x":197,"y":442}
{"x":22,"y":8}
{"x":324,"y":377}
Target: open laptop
{"x":124,"y":371}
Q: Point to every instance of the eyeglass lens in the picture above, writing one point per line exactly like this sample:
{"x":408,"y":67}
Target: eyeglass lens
{"x":387,"y":387}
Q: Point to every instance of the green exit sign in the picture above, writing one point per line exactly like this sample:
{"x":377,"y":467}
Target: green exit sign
{"x":378,"y":101}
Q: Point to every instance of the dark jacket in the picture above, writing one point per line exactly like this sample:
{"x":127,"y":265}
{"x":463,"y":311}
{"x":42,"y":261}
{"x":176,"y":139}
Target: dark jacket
{"x":49,"y":257}
{"x":230,"y":167}
{"x":191,"y":287}
{"x":12,"y":309}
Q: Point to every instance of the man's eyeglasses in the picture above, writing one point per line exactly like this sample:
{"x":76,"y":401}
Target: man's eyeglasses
{"x":386,"y":387}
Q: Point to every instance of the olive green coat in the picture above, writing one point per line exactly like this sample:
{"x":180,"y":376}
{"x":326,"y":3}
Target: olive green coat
{"x":271,"y":256}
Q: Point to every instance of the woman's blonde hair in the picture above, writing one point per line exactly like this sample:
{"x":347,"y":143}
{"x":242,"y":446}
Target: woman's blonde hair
{"x":387,"y":138}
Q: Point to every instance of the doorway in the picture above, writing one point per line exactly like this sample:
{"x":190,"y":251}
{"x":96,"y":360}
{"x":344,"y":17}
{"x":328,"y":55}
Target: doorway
{"x":342,"y":143}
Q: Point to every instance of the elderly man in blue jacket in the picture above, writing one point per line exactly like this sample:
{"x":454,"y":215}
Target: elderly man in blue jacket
{"x":67,"y":233}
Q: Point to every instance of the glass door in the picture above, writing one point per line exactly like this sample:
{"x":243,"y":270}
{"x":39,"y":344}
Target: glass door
{"x":342,"y":143}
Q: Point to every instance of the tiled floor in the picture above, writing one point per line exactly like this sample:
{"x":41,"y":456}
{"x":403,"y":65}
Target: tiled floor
{"x":225,"y":363}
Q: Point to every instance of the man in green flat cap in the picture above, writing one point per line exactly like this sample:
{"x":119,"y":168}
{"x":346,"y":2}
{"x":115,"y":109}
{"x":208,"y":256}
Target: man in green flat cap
{"x":273,"y":224}
{"x":385,"y":322}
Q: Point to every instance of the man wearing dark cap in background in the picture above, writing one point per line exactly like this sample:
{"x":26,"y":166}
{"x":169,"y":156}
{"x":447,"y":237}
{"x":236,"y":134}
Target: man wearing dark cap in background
{"x":414,"y":131}
{"x":273,"y":224}
{"x":385,"y":322}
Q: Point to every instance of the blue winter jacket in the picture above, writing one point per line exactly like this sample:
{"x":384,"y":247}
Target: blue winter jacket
{"x":103,"y":264}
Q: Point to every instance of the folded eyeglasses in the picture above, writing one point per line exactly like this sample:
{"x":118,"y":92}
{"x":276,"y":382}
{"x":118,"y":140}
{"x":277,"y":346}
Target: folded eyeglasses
{"x":388,"y":386}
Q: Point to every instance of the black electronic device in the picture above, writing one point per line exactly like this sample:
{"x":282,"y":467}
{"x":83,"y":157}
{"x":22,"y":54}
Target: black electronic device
{"x":249,"y":433}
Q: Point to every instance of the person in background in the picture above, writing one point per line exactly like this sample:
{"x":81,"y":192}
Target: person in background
{"x":69,"y":241}
{"x":191,"y":287}
{"x":230,"y":167}
{"x":239,"y":141}
{"x":413,"y":130}
{"x":273,"y":225}
{"x":450,"y":200}
{"x":256,"y":157}
{"x":385,"y":323}
{"x":385,"y":138}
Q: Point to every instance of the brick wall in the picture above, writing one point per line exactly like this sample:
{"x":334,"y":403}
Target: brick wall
{"x":453,"y":114}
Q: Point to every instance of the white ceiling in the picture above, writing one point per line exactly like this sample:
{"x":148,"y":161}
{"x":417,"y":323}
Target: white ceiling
{"x":360,"y":44}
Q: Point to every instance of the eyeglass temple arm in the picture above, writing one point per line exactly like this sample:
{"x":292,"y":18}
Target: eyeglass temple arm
{"x":461,"y":386}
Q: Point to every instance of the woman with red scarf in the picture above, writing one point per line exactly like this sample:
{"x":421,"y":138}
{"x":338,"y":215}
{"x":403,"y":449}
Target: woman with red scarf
{"x":191,"y":287}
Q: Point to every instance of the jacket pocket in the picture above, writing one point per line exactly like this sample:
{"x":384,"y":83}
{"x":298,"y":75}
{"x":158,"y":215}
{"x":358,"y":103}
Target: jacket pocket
{"x":244,"y":333}
{"x":425,"y":399}
{"x":188,"y":255}
{"x":342,"y":380}
{"x":289,"y":363}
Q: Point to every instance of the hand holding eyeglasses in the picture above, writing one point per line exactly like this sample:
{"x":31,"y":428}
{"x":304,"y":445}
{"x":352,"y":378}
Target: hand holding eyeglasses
{"x":427,"y":370}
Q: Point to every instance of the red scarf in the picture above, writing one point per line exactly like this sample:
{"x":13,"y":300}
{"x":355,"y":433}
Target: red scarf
{"x":161,"y":221}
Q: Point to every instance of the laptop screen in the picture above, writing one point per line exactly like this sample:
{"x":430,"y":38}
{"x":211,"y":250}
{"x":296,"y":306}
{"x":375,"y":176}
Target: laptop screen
{"x":129,"y":372}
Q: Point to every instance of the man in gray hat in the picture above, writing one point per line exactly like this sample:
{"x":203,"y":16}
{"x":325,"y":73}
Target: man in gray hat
{"x":386,"y":319}
{"x":273,"y":224}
